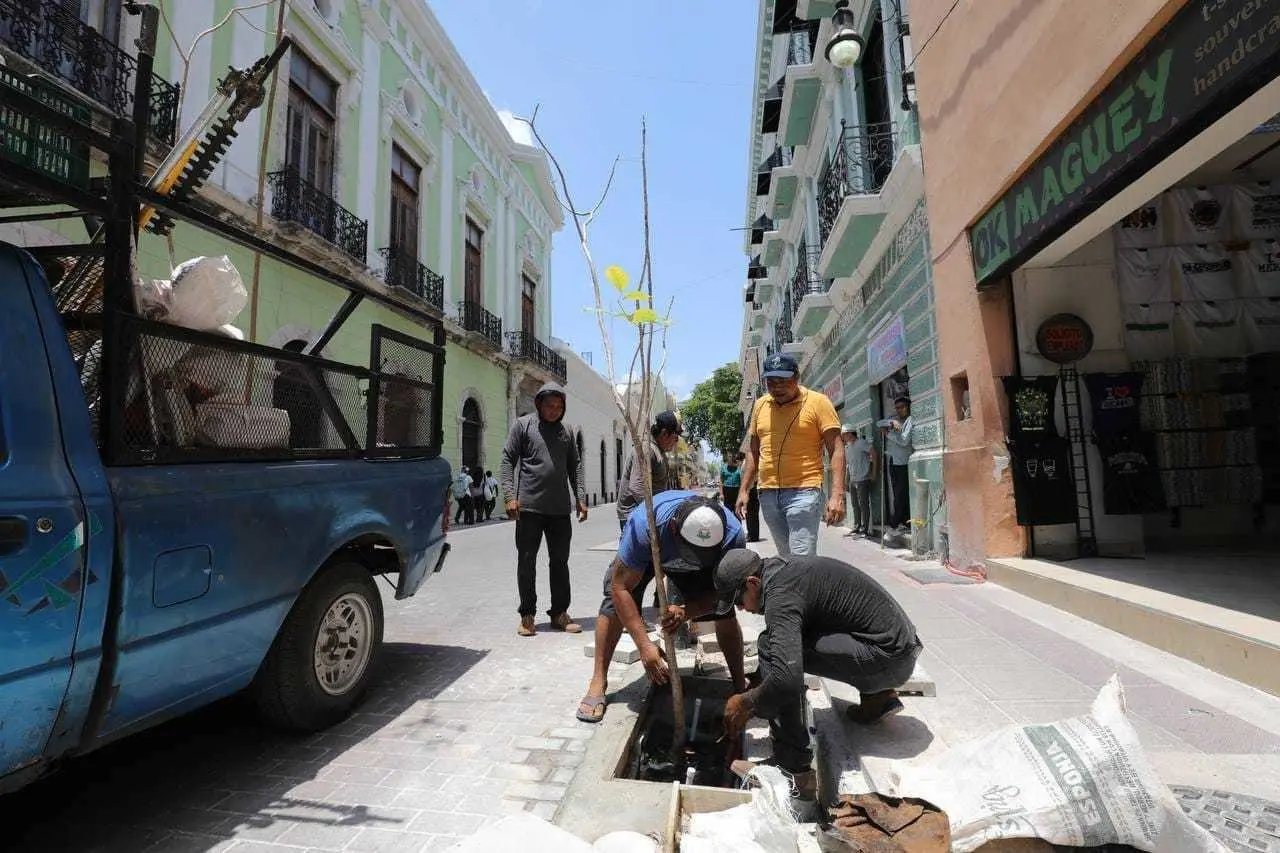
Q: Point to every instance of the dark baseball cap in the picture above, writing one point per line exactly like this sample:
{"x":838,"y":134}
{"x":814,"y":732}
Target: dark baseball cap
{"x":780,"y":366}
{"x":734,"y":569}
{"x":668,"y":422}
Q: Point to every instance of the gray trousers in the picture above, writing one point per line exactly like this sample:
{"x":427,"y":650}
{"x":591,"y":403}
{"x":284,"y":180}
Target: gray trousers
{"x":839,"y":657}
{"x":861,"y":499}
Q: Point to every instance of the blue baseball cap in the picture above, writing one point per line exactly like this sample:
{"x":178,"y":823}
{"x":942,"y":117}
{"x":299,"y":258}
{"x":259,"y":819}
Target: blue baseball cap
{"x":780,"y":366}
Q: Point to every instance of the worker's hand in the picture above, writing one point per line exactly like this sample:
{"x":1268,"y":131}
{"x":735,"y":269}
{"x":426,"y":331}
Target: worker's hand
{"x":835,"y":509}
{"x":655,"y":665}
{"x":673,"y":618}
{"x":740,"y":508}
{"x":513,"y":509}
{"x":737,"y":712}
{"x":582,"y":512}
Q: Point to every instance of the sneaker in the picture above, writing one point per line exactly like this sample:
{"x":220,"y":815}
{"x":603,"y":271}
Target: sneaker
{"x":526,"y":628}
{"x":562,"y":622}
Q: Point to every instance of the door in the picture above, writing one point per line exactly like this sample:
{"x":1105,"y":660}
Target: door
{"x":528,"y":303}
{"x":474,"y":265}
{"x":313,"y":103}
{"x":405,"y":176}
{"x":42,"y":535}
{"x":472,"y":429}
{"x":604,"y":472}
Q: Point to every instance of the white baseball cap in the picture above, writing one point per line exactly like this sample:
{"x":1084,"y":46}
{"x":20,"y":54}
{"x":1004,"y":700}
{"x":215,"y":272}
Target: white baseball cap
{"x":701,"y":525}
{"x":849,"y":428}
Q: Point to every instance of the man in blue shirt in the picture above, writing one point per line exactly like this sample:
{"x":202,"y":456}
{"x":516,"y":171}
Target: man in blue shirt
{"x":693,"y":534}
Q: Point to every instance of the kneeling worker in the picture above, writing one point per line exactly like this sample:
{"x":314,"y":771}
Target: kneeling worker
{"x":694,"y":534}
{"x":824,"y":617}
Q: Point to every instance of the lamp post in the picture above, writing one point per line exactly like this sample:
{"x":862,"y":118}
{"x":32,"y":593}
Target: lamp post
{"x":845,"y":46}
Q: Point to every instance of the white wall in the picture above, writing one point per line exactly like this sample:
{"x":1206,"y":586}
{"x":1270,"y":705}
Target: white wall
{"x":590,"y":409}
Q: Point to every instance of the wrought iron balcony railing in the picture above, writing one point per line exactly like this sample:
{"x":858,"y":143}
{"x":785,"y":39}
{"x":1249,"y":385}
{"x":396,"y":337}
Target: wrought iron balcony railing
{"x":49,"y":36}
{"x":404,"y":271}
{"x":525,"y":347}
{"x":861,"y":163}
{"x":782,"y":333}
{"x":475,"y":318}
{"x":805,"y":280}
{"x":300,"y":201}
{"x":800,"y":44}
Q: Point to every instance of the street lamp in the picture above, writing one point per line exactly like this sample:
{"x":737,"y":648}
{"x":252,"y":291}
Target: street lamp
{"x":845,"y":46}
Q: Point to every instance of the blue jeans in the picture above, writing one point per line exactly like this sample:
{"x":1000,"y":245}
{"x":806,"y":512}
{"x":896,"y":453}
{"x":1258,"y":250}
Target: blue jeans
{"x":793,"y":516}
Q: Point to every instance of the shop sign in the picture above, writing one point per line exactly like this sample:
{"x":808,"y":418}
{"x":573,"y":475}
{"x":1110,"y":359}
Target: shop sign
{"x":1201,"y":65}
{"x":1064,"y":339}
{"x":835,"y":390}
{"x":886,"y":350}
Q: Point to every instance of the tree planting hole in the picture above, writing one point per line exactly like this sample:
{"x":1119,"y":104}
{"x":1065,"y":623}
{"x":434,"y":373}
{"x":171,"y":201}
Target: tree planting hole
{"x":646,"y":757}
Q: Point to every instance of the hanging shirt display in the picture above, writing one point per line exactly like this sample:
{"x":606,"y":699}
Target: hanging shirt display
{"x":1142,"y":228}
{"x":1144,"y":275}
{"x":1130,"y":481}
{"x":1148,"y":331}
{"x":1214,"y":328}
{"x":1258,"y":270}
{"x":1255,"y":211}
{"x":1043,"y":490}
{"x":1205,"y":272}
{"x":1261,"y":318}
{"x":1199,"y":214}
{"x":1116,"y":401}
{"x":1031,"y":400}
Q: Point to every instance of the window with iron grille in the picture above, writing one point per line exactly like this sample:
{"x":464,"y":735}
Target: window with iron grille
{"x":310,"y":133}
{"x":406,"y":177}
{"x":473,"y":267}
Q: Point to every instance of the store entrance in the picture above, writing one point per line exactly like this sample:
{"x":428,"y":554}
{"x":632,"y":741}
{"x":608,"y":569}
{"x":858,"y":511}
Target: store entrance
{"x":1180,"y":393}
{"x":888,"y":517}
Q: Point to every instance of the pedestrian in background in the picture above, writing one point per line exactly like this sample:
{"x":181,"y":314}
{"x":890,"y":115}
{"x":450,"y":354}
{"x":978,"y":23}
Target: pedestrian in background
{"x":490,"y":494}
{"x":477,"y":498}
{"x":664,"y":435}
{"x":462,"y":494}
{"x":540,"y":466}
{"x":861,"y":457}
{"x":790,"y":427}
{"x":898,"y":448}
{"x":730,"y":479}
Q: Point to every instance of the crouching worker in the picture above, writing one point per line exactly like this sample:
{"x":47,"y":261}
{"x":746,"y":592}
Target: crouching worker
{"x":824,"y":617}
{"x":694,"y":534}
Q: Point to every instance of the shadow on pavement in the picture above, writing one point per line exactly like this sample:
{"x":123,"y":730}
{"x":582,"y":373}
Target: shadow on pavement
{"x":219,"y":773}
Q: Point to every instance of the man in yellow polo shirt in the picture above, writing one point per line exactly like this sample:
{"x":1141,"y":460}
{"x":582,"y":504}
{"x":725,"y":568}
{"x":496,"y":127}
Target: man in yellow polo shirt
{"x":789,"y":428}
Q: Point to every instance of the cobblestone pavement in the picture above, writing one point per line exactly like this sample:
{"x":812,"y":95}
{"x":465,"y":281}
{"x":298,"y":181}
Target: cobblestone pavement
{"x":468,"y":721}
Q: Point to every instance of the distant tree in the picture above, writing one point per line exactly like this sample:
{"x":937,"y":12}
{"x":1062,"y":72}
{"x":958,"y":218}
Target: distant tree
{"x":711,"y":413}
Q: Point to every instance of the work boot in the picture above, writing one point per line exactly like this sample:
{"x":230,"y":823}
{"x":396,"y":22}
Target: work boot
{"x":875,"y":707}
{"x":804,"y":786}
{"x":562,"y":622}
{"x":526,"y":628}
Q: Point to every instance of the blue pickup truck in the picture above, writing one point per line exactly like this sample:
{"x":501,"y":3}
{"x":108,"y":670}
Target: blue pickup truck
{"x":211,"y":561}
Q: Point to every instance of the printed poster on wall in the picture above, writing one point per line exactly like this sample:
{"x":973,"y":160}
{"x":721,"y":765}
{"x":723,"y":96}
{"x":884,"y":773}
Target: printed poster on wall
{"x":886,"y":350}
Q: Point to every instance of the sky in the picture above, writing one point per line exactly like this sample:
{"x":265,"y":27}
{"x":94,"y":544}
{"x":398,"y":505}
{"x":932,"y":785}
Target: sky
{"x":595,"y":69}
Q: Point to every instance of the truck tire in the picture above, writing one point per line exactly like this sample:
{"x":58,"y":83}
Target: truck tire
{"x":321,"y":661}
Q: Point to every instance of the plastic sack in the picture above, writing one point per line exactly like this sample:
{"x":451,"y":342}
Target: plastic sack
{"x":207,"y":293}
{"x":765,"y":825}
{"x":154,"y":298}
{"x":1083,"y":782}
{"x":625,"y":842}
{"x":525,"y":833}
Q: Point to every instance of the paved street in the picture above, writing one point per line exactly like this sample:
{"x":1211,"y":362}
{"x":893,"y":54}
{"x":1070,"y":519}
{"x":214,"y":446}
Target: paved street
{"x":470,"y":721}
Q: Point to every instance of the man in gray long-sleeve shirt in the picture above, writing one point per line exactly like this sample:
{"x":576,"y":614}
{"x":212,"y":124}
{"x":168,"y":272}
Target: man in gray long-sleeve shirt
{"x":824,"y":617}
{"x":663,"y":437}
{"x":540,"y":464}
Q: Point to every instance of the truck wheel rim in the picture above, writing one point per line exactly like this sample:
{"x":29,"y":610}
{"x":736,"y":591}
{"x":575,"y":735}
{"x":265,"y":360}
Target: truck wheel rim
{"x":344,"y":644}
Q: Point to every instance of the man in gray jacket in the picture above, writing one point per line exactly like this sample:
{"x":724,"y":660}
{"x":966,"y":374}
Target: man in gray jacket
{"x":664,"y":435}
{"x":540,"y":464}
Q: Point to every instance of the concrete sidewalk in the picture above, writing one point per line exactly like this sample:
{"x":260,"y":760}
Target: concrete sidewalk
{"x":999,"y":658}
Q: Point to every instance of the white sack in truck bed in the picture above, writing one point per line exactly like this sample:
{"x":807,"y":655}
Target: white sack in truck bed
{"x":1083,"y":782}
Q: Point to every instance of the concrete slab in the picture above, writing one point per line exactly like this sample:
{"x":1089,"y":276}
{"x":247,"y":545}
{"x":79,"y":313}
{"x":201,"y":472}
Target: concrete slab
{"x":609,"y":547}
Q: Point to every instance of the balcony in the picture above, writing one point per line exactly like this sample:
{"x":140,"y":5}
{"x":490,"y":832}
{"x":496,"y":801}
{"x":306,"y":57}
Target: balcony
{"x":771,"y":110}
{"x":54,"y":40}
{"x":810,"y":295}
{"x":404,"y":271}
{"x":303,"y":203}
{"x":777,"y":181}
{"x":852,"y":202}
{"x":802,"y":88}
{"x":764,"y":175}
{"x":523,"y":346}
{"x":475,"y":319}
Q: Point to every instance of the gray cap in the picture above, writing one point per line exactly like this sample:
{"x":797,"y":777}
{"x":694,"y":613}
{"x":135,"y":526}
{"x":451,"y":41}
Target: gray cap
{"x":849,"y":428}
{"x":734,"y":569}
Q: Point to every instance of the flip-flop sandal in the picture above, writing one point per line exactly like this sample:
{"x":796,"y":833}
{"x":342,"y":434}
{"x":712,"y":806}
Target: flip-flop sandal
{"x":893,"y":706}
{"x":596,"y":704}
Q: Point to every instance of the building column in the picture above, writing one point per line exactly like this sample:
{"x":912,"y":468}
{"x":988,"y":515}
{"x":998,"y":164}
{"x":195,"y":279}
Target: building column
{"x":370,"y":127}
{"x":545,"y":287}
{"x":502,"y":239}
{"x":448,"y":186}
{"x":512,"y":266}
